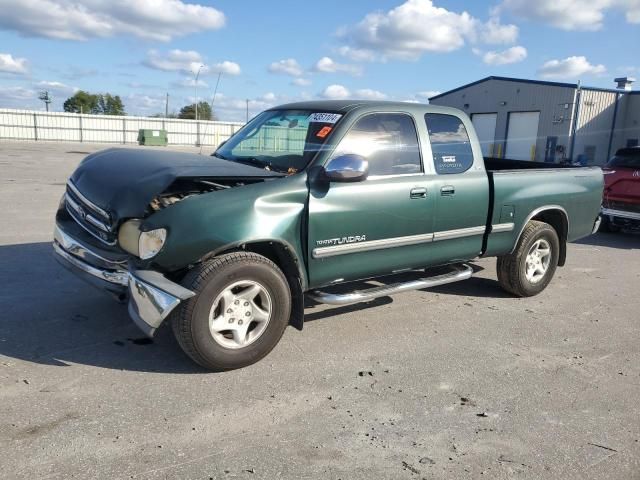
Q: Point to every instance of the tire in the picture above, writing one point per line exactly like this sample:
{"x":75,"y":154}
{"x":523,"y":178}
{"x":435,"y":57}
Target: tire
{"x":512,"y":268}
{"x":222,"y":282}
{"x":608,"y":227}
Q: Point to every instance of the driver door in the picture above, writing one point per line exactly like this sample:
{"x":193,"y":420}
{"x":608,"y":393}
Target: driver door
{"x":380,"y":225}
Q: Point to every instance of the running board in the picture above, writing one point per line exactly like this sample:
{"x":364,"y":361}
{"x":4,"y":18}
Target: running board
{"x":458,"y":273}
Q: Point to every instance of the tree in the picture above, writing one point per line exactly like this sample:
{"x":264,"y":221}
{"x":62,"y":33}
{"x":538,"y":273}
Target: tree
{"x":110,"y":105}
{"x":204,"y":112}
{"x":100,"y":104}
{"x":81,"y":102}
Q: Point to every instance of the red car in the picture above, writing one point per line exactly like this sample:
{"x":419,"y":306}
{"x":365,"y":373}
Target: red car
{"x":621,"y":202}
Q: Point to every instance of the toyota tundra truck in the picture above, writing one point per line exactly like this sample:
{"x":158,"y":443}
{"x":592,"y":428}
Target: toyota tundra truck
{"x":306,"y":197}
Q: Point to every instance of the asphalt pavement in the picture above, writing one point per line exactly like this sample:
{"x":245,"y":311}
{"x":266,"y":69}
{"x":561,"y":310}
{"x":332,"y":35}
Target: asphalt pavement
{"x":462,"y":381}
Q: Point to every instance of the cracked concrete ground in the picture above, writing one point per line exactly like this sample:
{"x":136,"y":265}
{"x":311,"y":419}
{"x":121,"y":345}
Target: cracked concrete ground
{"x":462,"y":381}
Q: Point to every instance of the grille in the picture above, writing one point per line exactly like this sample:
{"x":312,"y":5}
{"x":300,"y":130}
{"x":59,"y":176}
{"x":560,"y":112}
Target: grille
{"x":89,"y":216}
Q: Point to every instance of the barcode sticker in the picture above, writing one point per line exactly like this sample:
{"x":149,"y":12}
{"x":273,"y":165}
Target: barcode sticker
{"x":324,"y":117}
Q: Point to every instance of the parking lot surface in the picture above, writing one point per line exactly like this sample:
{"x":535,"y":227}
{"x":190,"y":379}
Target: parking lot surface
{"x":461,"y":381}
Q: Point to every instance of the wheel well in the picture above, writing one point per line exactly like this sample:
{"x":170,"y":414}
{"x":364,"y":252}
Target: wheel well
{"x":558,"y":220}
{"x":280,"y":255}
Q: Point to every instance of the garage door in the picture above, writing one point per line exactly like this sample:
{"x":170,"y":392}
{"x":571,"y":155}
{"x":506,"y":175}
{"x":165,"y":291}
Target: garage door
{"x":522,"y":135}
{"x":485,"y":125}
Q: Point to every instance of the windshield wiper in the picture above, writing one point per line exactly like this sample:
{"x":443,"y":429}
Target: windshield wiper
{"x":216,"y":154}
{"x":256,"y":162}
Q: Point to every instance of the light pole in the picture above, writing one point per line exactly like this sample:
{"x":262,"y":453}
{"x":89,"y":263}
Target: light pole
{"x":196,"y":88}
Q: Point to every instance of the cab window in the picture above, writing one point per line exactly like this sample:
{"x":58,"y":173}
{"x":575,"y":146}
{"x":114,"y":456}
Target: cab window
{"x":389,"y":142}
{"x":450,"y":143}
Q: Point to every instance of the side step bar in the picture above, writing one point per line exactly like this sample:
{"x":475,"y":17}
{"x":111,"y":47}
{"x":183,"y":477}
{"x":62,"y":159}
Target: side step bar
{"x":458,"y":273}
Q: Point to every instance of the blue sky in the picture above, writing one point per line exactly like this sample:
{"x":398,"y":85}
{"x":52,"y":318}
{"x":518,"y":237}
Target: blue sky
{"x":279,"y":51}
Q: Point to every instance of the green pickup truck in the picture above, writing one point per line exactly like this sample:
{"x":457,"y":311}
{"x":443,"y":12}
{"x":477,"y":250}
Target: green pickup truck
{"x":307,"y":196}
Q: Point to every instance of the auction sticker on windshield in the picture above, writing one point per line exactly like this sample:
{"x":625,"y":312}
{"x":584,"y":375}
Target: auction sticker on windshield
{"x":324,"y":117}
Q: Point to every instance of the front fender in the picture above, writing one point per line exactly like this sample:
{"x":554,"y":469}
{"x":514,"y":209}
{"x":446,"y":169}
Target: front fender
{"x":217,"y":221}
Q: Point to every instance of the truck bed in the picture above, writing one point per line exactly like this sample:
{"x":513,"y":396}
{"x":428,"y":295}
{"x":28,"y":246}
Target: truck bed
{"x":518,"y":189}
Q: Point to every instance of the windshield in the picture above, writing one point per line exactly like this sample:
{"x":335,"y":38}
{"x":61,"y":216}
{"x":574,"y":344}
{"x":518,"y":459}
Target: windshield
{"x":626,"y":159}
{"x":280,"y":140}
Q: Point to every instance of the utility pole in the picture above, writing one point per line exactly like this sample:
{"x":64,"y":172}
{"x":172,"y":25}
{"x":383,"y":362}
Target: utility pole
{"x":196,"y":88}
{"x":46,"y":98}
{"x":247,"y":110}
{"x":166,"y":107}
{"x":215,"y":91}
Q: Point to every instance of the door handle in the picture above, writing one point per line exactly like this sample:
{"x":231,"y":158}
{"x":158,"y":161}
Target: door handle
{"x":447,"y":190}
{"x":418,"y":193}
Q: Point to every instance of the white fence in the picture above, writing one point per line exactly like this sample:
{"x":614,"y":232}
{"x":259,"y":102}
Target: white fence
{"x":71,"y":127}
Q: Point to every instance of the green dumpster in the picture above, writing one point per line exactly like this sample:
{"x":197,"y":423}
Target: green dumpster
{"x":153,"y":137}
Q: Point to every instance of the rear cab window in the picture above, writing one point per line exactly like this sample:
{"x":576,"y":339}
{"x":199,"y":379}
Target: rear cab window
{"x":450,"y":143}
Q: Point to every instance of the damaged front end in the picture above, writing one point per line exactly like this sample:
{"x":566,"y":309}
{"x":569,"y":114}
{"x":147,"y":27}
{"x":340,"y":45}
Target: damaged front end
{"x":100,"y":232}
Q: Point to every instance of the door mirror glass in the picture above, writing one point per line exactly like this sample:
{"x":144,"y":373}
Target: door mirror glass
{"x":347,"y":168}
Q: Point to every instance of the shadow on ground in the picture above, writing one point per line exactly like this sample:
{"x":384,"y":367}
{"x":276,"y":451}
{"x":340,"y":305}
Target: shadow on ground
{"x":50,"y":317}
{"x":624,"y":240}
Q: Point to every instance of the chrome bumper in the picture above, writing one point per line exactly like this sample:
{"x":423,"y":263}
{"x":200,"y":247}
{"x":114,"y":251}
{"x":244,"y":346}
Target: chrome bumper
{"x":151,"y":296}
{"x":620,"y":214}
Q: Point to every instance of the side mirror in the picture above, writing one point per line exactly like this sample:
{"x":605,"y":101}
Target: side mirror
{"x":347,"y":168}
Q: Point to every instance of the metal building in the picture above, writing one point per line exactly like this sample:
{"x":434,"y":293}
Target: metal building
{"x":549,"y":121}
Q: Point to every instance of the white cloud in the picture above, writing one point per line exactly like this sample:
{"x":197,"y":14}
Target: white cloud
{"x":11,"y":64}
{"x":226,"y":67}
{"x":573,"y":14}
{"x":301,"y":82}
{"x":417,"y":27}
{"x":56,"y":88}
{"x":288,"y":66}
{"x":190,"y":82}
{"x":495,"y":33}
{"x":188,"y":61}
{"x":336,"y":92}
{"x":159,"y":20}
{"x":174,"y":61}
{"x":144,"y":104}
{"x":340,"y":92}
{"x":571,"y":67}
{"x":505,"y":57}
{"x":328,"y":65}
{"x":356,"y":54}
{"x":369,"y":94}
{"x":426,"y":95}
{"x":18,"y":97}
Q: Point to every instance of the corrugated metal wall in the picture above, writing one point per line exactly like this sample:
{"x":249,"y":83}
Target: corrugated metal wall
{"x":595,"y":123}
{"x":555,"y":104}
{"x":71,"y":127}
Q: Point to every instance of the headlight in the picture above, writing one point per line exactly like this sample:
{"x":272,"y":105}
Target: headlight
{"x":141,"y":244}
{"x":151,"y":242}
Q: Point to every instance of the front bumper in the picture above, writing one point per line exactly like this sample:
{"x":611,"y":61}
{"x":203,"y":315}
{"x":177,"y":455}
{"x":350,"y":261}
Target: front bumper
{"x":609,"y":212}
{"x":151,"y":296}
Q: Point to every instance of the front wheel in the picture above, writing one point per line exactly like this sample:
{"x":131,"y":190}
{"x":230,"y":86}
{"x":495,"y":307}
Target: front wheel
{"x":241,"y":309}
{"x":529,"y":269}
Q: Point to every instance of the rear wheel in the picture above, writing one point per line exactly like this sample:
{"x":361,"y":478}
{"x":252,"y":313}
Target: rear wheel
{"x":529,"y":269}
{"x":240,"y":311}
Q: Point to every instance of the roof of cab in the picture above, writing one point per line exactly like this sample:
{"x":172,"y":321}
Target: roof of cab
{"x":345,"y":106}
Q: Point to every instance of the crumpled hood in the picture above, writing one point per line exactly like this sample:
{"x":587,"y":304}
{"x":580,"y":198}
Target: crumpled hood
{"x":124,"y":180}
